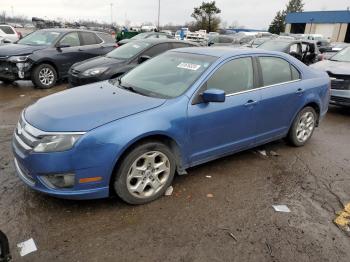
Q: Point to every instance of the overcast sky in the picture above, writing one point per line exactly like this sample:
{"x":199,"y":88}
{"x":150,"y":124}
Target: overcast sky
{"x":250,"y":13}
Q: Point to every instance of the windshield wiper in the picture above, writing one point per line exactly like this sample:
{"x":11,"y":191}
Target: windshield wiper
{"x":129,"y":88}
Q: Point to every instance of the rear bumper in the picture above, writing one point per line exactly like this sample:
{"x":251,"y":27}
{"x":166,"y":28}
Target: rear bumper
{"x":340,"y":97}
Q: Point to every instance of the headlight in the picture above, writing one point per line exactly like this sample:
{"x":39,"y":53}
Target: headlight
{"x":56,"y":143}
{"x":95,"y":71}
{"x":18,"y":59}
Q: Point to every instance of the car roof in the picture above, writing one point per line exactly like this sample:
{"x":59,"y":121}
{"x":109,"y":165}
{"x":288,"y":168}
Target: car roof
{"x":66,"y":30}
{"x":222,"y":52}
{"x":162,"y":40}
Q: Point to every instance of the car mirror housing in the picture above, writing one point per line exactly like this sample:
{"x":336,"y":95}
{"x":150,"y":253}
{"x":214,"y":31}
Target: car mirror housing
{"x":214,"y":95}
{"x":59,"y":46}
{"x":143,"y":58}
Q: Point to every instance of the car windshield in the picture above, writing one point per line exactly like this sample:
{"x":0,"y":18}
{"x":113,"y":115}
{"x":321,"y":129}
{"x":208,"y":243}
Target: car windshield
{"x":167,"y":75}
{"x":140,"y":36}
{"x":40,"y":38}
{"x":128,"y":50}
{"x":274,"y":45}
{"x":342,"y":56}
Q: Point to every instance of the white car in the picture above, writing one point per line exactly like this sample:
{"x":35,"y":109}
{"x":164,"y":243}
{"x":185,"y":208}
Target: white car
{"x":9,"y":33}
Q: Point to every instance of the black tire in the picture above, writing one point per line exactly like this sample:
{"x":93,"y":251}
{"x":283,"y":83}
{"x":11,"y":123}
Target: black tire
{"x":293,"y":132}
{"x":41,"y":83}
{"x":121,"y":176}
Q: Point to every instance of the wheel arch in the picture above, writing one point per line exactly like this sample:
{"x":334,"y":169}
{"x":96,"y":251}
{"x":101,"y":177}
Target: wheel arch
{"x":49,"y":62}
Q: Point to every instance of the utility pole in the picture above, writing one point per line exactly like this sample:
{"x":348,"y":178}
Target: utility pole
{"x":112,"y":14}
{"x":158,"y":14}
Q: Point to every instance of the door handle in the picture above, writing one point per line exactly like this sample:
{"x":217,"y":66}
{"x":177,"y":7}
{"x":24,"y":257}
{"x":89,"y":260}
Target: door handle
{"x":300,"y":91}
{"x":250,"y":102}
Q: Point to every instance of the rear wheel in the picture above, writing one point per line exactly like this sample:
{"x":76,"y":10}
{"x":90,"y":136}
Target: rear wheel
{"x":303,"y":127}
{"x":145,"y":173}
{"x":44,"y":76}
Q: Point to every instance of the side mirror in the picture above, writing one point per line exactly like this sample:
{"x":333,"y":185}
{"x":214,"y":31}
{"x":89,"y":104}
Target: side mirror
{"x":143,"y":58}
{"x":214,"y":95}
{"x":59,"y":46}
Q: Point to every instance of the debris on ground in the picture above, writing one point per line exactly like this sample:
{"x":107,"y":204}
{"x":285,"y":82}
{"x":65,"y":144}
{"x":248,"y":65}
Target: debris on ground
{"x":281,"y":208}
{"x":343,"y":218}
{"x":208,"y":176}
{"x":210,"y":195}
{"x":169,"y":191}
{"x":22,"y":95}
{"x":232,"y":235}
{"x":273,"y":153}
{"x":262,"y":152}
{"x":27,"y":247}
{"x":269,"y":248}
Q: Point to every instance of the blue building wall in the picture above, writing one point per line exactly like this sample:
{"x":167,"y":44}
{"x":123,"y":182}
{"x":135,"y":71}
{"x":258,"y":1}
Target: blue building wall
{"x":324,"y":17}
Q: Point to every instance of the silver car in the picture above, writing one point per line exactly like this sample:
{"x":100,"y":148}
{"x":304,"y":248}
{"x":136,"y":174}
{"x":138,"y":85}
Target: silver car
{"x":338,"y":69}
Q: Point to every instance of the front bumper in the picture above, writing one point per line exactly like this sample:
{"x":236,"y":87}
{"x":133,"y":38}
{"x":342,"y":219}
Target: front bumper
{"x":340,"y":97}
{"x":12,"y":71}
{"x":32,"y":168}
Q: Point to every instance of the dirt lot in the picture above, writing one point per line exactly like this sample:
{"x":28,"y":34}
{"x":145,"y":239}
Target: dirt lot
{"x":236,"y":224}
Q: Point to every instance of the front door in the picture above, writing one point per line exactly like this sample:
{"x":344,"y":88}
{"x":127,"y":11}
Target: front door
{"x":219,"y":128}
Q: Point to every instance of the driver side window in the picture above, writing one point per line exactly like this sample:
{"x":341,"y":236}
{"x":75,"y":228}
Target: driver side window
{"x":233,"y":77}
{"x":71,"y":39}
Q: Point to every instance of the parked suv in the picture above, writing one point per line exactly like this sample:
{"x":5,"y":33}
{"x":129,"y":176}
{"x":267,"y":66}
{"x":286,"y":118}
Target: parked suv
{"x":9,"y":34}
{"x":120,"y":60}
{"x":45,"y":56}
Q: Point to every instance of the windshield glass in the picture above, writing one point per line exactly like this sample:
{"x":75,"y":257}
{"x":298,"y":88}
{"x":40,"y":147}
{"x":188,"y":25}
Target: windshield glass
{"x":274,"y":45}
{"x":40,"y":38}
{"x":167,"y":75}
{"x":128,"y":50}
{"x":140,"y":36}
{"x":343,"y":55}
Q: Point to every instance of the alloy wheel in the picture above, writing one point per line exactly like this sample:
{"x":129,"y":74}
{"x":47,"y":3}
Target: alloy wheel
{"x":305,"y":126}
{"x":46,"y":76}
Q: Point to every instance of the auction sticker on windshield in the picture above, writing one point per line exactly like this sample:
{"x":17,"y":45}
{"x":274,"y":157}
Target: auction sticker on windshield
{"x":189,"y":66}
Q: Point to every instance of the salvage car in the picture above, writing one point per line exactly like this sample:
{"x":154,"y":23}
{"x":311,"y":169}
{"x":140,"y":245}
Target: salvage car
{"x":9,"y":33}
{"x":45,"y":56}
{"x":303,"y":50}
{"x":179,"y":109}
{"x":333,"y":48}
{"x":338,"y":69}
{"x":145,"y":36}
{"x":120,"y":60}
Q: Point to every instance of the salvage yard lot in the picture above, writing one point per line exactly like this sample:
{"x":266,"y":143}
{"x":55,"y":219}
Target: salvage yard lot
{"x":237,"y":224}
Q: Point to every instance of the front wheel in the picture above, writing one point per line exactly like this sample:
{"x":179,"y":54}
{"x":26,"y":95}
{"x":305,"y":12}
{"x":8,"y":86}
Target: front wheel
{"x":44,"y":76}
{"x":303,"y":127}
{"x":145,"y":173}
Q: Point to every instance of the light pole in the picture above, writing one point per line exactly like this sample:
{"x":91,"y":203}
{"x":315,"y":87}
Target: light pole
{"x":112,"y":14}
{"x":158,"y":13}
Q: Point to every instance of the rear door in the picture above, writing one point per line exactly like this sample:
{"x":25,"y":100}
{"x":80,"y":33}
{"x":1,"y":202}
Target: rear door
{"x":219,"y":128}
{"x":90,"y":45}
{"x":281,"y":97}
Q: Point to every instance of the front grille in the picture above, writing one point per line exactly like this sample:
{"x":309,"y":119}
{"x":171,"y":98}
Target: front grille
{"x":338,"y":99}
{"x":25,"y":137}
{"x":340,"y":84}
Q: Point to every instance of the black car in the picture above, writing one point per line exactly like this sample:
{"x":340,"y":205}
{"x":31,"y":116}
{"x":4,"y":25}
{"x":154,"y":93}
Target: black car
{"x":304,"y":50}
{"x":45,"y":56}
{"x":146,"y":35}
{"x":120,"y":60}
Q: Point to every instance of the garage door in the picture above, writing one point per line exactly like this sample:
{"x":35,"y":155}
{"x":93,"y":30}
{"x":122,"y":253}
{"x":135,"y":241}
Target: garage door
{"x":325,"y":29}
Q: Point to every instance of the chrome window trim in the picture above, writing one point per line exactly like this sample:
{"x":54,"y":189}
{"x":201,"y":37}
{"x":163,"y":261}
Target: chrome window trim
{"x":263,"y":87}
{"x":39,"y":133}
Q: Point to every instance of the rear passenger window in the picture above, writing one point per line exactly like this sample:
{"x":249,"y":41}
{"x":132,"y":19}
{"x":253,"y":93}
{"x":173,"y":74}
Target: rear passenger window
{"x":234,"y":76}
{"x":88,"y":38}
{"x":7,"y":30}
{"x":275,"y":70}
{"x":295,"y":73}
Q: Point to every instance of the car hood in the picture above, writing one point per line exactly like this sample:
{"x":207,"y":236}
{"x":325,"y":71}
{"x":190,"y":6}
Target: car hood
{"x":18,"y":49}
{"x":334,"y":67}
{"x":87,"y":107}
{"x":101,"y":61}
{"x":125,"y":41}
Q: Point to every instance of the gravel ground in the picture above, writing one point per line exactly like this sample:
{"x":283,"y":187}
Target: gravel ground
{"x":237,"y":223}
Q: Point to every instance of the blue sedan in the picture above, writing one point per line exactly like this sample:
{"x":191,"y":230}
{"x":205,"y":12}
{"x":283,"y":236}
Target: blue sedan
{"x":130,"y":135}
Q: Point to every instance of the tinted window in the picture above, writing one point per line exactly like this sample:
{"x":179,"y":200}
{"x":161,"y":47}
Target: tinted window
{"x":179,"y":45}
{"x":7,"y":29}
{"x":157,"y":49}
{"x":274,"y":70}
{"x":223,"y":39}
{"x":234,"y":76}
{"x":106,"y":37}
{"x":88,"y":38}
{"x":295,"y":73}
{"x":71,"y":39}
{"x":128,"y":50}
